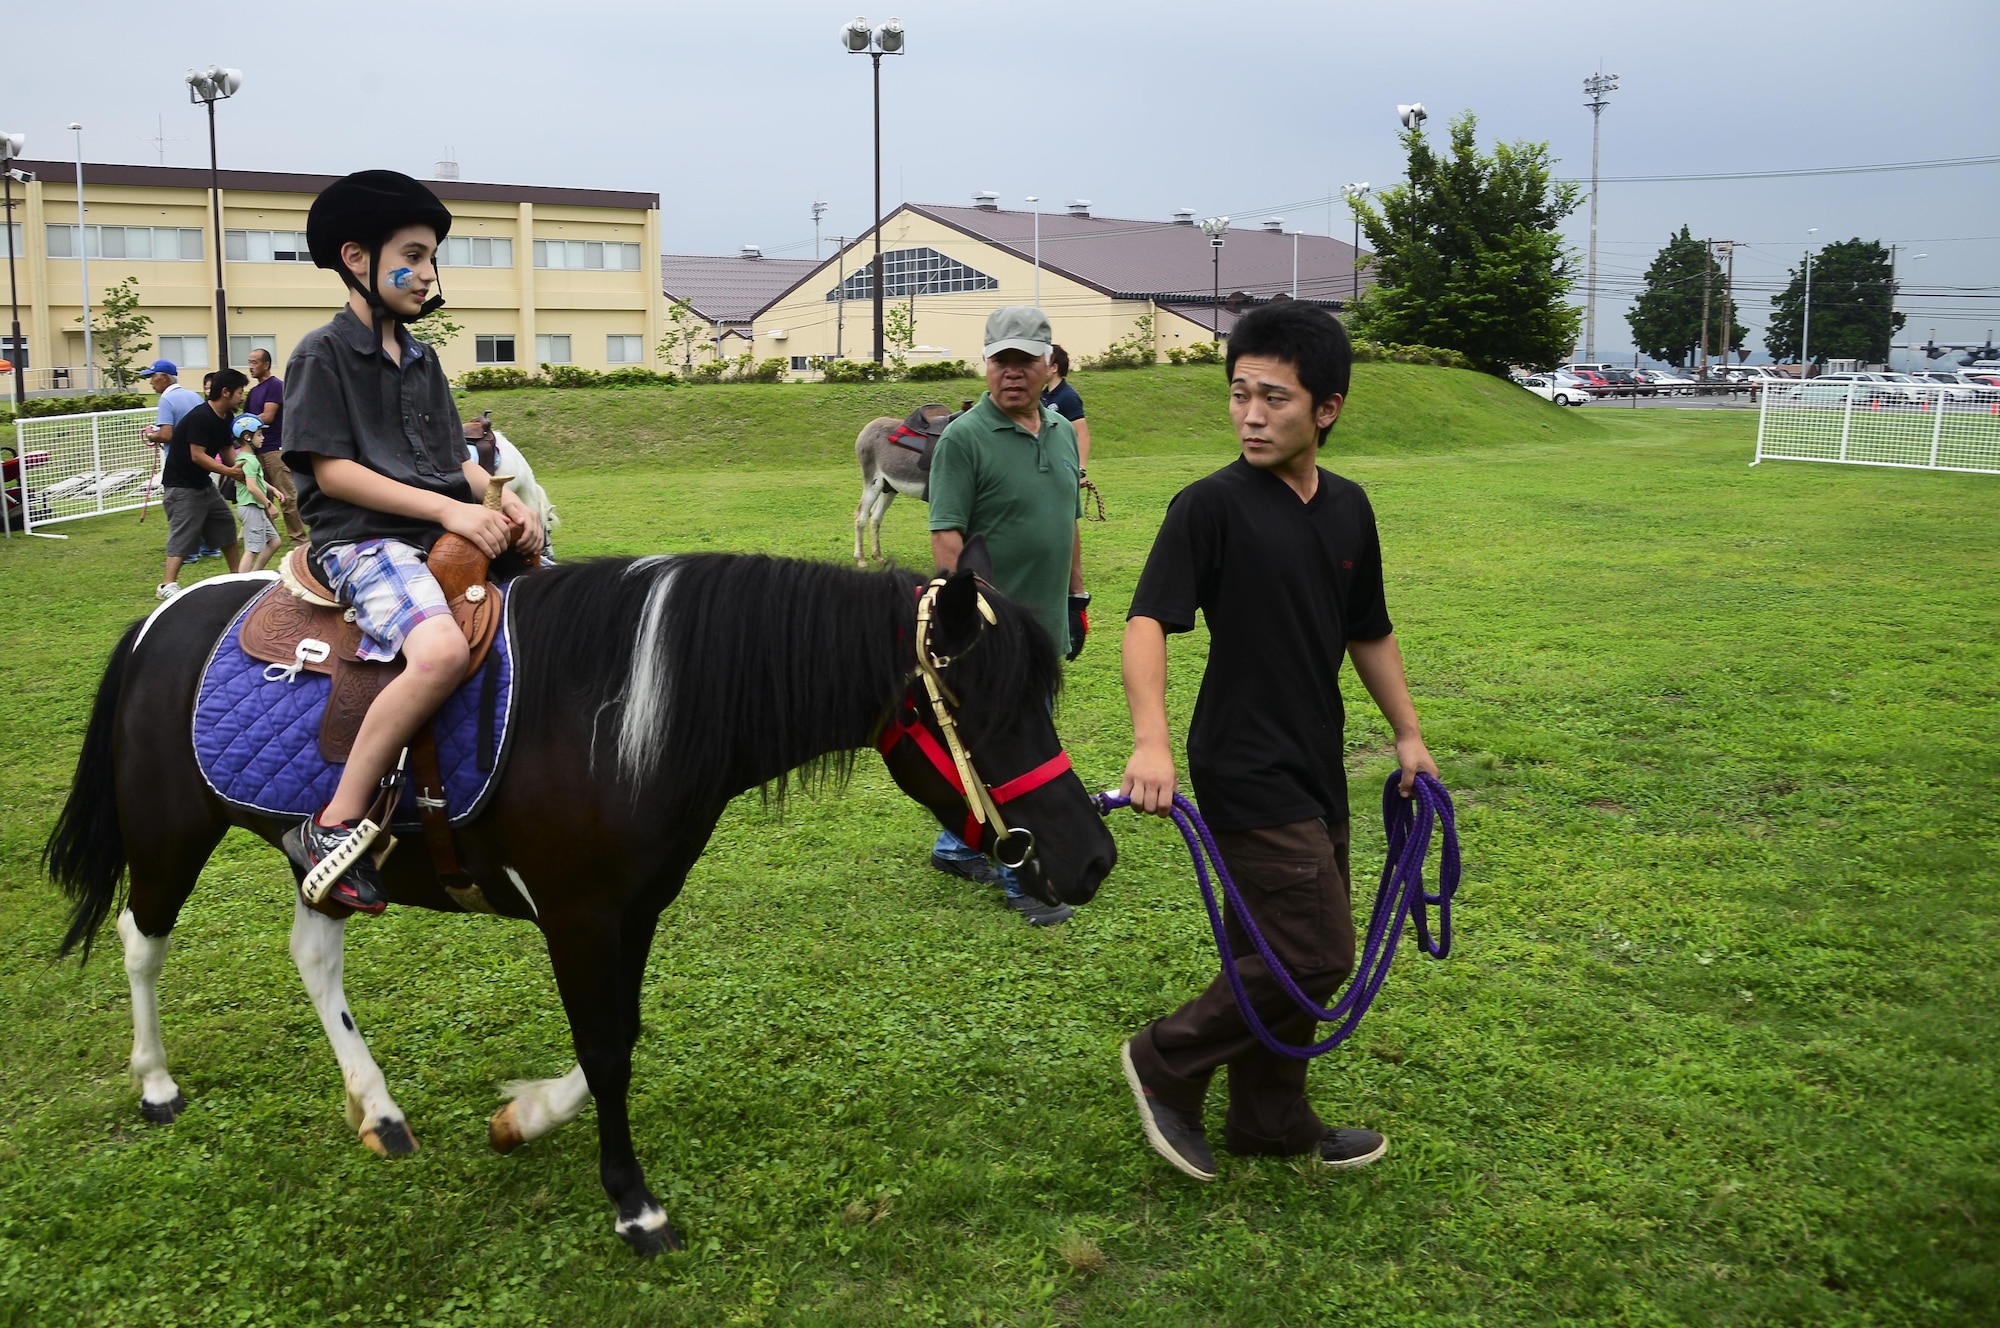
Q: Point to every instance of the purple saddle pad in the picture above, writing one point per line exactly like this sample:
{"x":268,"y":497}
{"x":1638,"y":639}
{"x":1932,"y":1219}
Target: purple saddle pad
{"x":256,"y":738}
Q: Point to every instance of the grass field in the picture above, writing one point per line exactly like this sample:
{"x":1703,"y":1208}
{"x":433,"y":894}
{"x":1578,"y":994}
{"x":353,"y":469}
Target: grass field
{"x":1715,"y":1045}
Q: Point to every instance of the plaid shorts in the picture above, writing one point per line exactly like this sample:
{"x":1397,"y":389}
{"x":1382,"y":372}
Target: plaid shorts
{"x":390,"y":588}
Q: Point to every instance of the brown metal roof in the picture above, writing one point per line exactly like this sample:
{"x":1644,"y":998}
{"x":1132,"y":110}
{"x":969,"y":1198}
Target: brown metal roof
{"x":285,"y":182}
{"x":730,"y":290}
{"x":1147,"y":260}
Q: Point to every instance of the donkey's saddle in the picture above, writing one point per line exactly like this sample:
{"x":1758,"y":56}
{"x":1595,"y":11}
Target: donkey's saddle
{"x":919,"y":433}
{"x":300,"y":625}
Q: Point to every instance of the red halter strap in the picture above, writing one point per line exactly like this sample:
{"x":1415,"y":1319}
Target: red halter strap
{"x":901,"y":727}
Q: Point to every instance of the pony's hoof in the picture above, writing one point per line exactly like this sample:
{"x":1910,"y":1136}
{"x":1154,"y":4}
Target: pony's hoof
{"x":389,"y":1138}
{"x":502,"y":1131}
{"x":163,"y":1113}
{"x":647,"y":1241}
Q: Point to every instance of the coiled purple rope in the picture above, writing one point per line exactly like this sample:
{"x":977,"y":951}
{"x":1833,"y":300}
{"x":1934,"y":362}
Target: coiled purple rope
{"x":1400,"y":897}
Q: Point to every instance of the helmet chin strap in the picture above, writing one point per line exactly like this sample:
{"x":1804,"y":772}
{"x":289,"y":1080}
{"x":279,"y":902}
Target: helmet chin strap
{"x":378,"y":307}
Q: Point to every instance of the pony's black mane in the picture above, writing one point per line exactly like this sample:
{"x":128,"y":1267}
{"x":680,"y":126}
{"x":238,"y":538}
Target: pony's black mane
{"x":749,"y":669}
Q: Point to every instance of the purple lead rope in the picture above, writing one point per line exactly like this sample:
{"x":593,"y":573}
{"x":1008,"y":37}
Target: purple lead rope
{"x":1400,"y":897}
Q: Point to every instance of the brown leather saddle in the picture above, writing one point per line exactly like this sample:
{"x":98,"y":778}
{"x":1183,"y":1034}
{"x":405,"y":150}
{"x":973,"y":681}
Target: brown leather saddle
{"x":300,"y":623}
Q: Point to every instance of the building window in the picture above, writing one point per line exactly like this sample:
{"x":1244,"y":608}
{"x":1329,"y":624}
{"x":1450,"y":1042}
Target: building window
{"x":185,"y":352}
{"x":913,"y":272}
{"x":14,"y":240}
{"x":552,"y":348}
{"x":168,"y":243}
{"x":493,"y":349}
{"x":587,"y":254}
{"x":476,"y":251}
{"x":265,"y":247}
{"x":801,"y":363}
{"x":622,"y":349}
{"x":240,"y":348}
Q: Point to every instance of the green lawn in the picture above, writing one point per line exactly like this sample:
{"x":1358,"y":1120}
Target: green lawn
{"x":1714,"y":1046}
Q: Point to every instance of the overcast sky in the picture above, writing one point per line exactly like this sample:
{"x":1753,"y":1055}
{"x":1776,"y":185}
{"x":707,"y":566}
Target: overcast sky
{"x":740,"y":115}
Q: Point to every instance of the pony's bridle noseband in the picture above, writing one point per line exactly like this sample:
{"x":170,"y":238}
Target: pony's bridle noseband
{"x":982,"y":804}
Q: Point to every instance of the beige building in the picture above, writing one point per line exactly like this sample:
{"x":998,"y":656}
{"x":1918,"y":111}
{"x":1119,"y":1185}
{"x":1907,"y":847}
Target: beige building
{"x":533,"y":274}
{"x":1097,"y":278}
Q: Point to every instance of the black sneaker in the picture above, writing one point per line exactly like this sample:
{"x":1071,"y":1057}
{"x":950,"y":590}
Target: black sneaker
{"x":1344,"y":1150}
{"x":310,"y":845}
{"x":977,"y":869}
{"x":1037,"y":914}
{"x":1175,"y":1135}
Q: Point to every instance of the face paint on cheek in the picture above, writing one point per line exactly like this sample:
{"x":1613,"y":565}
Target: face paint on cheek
{"x":400,"y":278}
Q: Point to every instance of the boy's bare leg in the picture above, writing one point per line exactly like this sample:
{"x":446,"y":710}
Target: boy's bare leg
{"x":435,"y":657}
{"x":173,"y":572}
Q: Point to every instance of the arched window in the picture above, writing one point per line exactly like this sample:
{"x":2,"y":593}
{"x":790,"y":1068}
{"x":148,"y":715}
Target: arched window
{"x":912,"y":272}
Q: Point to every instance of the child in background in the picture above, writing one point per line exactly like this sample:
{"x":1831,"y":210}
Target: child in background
{"x":257,"y":503}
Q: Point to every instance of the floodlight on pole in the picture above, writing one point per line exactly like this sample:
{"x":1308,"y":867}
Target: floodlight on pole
{"x":1355,"y":194}
{"x":1215,"y":228}
{"x":11,"y":146}
{"x":207,"y":87}
{"x":858,"y":38}
{"x":819,"y":210}
{"x":83,"y":266}
{"x":1598,"y":87}
{"x":1412,"y":115}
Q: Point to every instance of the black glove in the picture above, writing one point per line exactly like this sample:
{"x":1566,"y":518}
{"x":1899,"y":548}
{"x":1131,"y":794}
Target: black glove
{"x":1079,"y":623}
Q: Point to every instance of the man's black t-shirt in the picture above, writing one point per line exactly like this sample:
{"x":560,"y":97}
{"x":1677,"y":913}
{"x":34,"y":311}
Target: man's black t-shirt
{"x":200,"y":427}
{"x":1283,"y":586}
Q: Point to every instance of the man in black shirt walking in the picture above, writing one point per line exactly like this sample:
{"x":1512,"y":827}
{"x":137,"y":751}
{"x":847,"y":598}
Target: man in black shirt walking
{"x":1282,"y":560}
{"x":196,"y":513}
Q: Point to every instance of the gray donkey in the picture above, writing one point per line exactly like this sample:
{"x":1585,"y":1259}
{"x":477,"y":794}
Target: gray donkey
{"x":895,"y":457}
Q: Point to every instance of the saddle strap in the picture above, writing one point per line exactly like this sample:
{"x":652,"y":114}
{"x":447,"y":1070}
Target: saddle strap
{"x":435,"y":813}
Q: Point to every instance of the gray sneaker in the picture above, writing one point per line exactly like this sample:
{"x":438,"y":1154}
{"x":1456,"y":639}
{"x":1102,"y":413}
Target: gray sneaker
{"x":1175,"y":1135}
{"x":1037,"y":914}
{"x":1344,"y":1150}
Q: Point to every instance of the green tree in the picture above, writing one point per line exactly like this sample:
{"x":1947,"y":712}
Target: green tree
{"x":1853,"y":306}
{"x":119,"y":332}
{"x":685,"y":331}
{"x":1666,"y":318}
{"x":436,"y":329}
{"x":1467,"y":256}
{"x":899,"y":334}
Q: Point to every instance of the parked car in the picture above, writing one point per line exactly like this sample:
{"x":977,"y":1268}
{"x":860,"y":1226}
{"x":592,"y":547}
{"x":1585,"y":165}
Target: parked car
{"x":1625,"y":380}
{"x":1956,"y":387}
{"x":1559,"y":388}
{"x":1756,"y":374}
{"x":1593,"y":383}
{"x":1876,"y":389}
{"x":1667,"y":381}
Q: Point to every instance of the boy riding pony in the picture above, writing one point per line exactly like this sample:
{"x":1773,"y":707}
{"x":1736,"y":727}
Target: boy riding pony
{"x":373,"y":437}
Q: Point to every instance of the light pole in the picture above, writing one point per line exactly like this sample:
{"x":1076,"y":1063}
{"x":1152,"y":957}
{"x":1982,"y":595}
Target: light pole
{"x":1805,"y":323}
{"x":83,"y":267}
{"x":10,"y":148}
{"x":1728,"y":247}
{"x":1597,"y":86}
{"x":1295,"y":264}
{"x":819,"y":210}
{"x":207,"y":87}
{"x":1355,"y":193}
{"x":1036,"y":200}
{"x":1914,"y":258}
{"x":1214,"y":228}
{"x":859,"y":39}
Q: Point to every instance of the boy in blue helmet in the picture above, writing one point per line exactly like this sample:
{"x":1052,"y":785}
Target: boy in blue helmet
{"x":373,"y":437}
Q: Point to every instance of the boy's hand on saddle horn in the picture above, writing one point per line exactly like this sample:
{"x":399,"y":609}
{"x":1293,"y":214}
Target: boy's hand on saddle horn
{"x":527,"y":526}
{"x":486,"y":530}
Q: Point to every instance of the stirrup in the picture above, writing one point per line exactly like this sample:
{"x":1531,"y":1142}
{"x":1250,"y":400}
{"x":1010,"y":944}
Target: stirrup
{"x":319,"y":882}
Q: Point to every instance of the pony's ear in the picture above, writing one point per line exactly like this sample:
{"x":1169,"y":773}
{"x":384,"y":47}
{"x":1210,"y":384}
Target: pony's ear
{"x":975,"y":559}
{"x":955,"y":620}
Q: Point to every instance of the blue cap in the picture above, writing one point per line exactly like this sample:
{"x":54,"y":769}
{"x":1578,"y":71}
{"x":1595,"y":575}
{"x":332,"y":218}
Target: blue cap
{"x":246,"y":425}
{"x":162,"y":366}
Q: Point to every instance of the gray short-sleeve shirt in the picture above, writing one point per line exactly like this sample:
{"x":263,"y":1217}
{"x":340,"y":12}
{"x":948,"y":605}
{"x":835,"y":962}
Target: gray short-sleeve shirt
{"x":345,"y":400}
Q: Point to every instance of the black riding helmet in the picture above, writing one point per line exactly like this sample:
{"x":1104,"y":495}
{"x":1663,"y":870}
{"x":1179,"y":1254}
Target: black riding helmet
{"x":368,"y":207}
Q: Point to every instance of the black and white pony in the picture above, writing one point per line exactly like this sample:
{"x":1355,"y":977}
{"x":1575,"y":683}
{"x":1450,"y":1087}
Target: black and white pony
{"x":651,"y":692}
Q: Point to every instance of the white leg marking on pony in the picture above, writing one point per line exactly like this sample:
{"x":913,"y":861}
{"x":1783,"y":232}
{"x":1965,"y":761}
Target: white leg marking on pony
{"x":651,"y":1218}
{"x":542,"y":1105}
{"x":159,"y":1097}
{"x":522,"y":886}
{"x":317,"y":949}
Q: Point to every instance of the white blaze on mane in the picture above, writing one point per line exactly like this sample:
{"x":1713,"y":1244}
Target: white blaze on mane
{"x":642,"y":729}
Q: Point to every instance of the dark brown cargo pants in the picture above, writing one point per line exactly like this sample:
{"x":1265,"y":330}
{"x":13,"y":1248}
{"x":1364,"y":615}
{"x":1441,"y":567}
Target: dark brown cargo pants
{"x":1293,"y":879}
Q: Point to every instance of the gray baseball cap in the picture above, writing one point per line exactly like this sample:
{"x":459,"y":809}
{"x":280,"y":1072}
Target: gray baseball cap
{"x":1018,"y":327}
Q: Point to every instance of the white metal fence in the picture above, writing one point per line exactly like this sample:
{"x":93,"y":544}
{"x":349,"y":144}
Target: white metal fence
{"x":61,"y":467}
{"x":1929,"y":426}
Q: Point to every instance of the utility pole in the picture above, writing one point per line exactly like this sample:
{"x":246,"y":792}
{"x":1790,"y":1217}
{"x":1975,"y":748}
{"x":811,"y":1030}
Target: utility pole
{"x":1728,"y":302}
{"x":1707,"y":280}
{"x":1598,"y":86}
{"x":840,"y":303}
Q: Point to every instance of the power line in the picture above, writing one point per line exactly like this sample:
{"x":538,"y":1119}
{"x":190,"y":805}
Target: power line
{"x":1939,"y":163}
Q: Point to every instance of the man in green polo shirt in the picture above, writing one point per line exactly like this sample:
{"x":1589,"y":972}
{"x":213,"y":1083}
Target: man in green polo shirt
{"x":1007,"y":469}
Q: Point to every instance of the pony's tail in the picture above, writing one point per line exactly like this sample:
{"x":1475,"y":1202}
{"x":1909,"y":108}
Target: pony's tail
{"x":86,"y":853}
